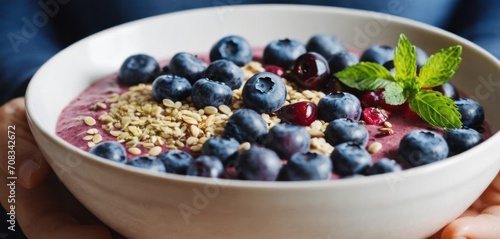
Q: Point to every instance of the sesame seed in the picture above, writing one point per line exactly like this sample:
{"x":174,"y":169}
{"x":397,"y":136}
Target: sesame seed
{"x":168,"y":103}
{"x":89,"y":121}
{"x":316,"y":125}
{"x":225,"y":109}
{"x":192,"y":140}
{"x":155,"y":151}
{"x":374,"y":147}
{"x":244,"y":147}
{"x":315,"y":133}
{"x":87,"y":137}
{"x":134,"y":150}
{"x":194,"y":130}
{"x":189,"y":120}
{"x":195,"y":148}
{"x":179,"y":143}
{"x":387,"y":131}
{"x":210,"y":110}
{"x":387,"y":124}
{"x":97,"y":138}
{"x":92,"y":131}
{"x":115,"y":133}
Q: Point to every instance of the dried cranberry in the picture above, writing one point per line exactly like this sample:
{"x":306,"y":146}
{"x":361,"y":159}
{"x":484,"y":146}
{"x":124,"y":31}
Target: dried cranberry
{"x":375,"y":116}
{"x":275,"y":69}
{"x":301,"y":113}
{"x":408,"y":113}
{"x":375,"y":98}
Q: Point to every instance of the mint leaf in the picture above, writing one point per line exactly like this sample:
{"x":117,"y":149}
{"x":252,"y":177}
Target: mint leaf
{"x":394,"y":94}
{"x":365,"y":76}
{"x":436,"y":109}
{"x":405,"y":59}
{"x":440,"y":67}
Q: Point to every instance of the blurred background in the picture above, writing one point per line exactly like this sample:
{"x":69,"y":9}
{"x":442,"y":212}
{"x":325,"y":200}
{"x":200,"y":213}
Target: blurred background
{"x":33,"y":31}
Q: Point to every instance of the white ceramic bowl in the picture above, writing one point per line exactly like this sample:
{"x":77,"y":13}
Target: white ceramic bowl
{"x":412,"y":204}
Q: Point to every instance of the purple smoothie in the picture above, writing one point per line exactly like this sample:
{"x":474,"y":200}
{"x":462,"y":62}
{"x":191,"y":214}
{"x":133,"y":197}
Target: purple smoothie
{"x":72,"y":128}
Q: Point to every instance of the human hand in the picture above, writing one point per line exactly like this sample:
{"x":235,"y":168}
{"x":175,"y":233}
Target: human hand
{"x":480,"y":221}
{"x":44,"y":208}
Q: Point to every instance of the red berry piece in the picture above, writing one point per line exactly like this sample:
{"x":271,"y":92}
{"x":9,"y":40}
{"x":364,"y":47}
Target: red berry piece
{"x":301,"y":113}
{"x":375,"y":98}
{"x":275,"y":69}
{"x":408,"y":113}
{"x":310,"y":71}
{"x":375,"y":116}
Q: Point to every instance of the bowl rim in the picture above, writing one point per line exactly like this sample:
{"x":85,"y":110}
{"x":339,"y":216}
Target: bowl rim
{"x":350,"y":182}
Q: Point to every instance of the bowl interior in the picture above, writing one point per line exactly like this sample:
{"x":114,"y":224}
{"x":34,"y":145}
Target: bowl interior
{"x":65,"y":75}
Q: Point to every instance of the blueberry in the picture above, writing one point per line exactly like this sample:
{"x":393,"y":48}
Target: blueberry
{"x":138,"y":69}
{"x":341,"y":60}
{"x":206,"y":166}
{"x":350,"y":158}
{"x":324,"y":44}
{"x":171,"y":87}
{"x":339,"y":105}
{"x":283,"y":52}
{"x":287,"y":139}
{"x":226,"y":72}
{"x":422,"y":57}
{"x":258,"y":163}
{"x":206,"y":92}
{"x":264,"y":92}
{"x":111,"y":150}
{"x":232,"y":48}
{"x":147,"y":162}
{"x":245,"y":125}
{"x":447,"y":89}
{"x":176,"y":161}
{"x":384,"y":165}
{"x":346,"y":130}
{"x":460,"y":140}
{"x":421,"y":147}
{"x":308,"y":166}
{"x":353,"y":176}
{"x":472,"y":112}
{"x":188,"y":66}
{"x":225,"y":149}
{"x":378,"y":54}
{"x":389,"y":65}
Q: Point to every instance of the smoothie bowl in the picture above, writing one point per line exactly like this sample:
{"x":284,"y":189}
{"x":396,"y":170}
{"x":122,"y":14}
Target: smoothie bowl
{"x":143,"y":203}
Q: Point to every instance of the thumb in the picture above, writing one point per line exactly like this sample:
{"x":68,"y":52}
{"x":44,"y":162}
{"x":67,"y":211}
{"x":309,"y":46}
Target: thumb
{"x":23,"y":157}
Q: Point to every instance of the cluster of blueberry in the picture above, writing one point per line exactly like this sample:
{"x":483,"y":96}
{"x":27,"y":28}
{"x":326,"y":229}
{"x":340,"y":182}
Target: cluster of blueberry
{"x":310,"y":66}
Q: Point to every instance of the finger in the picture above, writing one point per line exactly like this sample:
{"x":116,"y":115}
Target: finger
{"x":483,"y":226}
{"x":42,"y":215}
{"x":26,"y":162}
{"x":490,"y":196}
{"x":468,"y":213}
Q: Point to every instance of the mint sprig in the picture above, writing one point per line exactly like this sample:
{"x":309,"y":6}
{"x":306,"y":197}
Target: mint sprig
{"x":366,"y":76}
{"x":432,"y":106}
